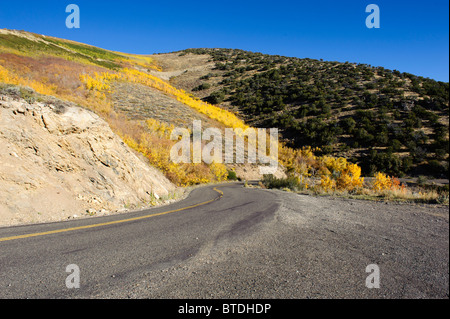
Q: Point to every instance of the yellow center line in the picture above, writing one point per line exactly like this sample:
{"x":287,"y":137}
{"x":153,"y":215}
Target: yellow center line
{"x":109,"y":223}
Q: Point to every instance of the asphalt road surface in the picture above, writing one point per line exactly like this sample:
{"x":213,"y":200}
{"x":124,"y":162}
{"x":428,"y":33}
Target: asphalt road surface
{"x":228,"y":241}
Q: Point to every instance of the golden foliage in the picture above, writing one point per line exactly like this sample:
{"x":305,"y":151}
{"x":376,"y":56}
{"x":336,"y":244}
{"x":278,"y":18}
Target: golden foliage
{"x":99,"y":82}
{"x":381,"y":182}
{"x":153,"y":141}
{"x":350,"y":178}
{"x":335,"y":173}
{"x":219,"y":171}
{"x":384,"y":182}
{"x":10,"y":78}
{"x":327,"y":184}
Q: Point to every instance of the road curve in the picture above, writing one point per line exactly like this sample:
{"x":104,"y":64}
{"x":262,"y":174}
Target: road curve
{"x":112,"y":251}
{"x":228,"y":241}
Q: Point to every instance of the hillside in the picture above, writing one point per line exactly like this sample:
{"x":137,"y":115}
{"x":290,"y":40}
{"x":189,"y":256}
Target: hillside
{"x":340,"y":122}
{"x":75,"y":144}
{"x":382,"y":119}
{"x":139,"y":107}
{"x":59,"y":161}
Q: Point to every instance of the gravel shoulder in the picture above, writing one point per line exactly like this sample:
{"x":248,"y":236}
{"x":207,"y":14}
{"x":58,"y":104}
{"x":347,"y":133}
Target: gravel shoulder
{"x":318,"y":247}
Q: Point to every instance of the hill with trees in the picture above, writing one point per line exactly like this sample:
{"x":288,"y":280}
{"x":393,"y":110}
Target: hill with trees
{"x":341,"y":122}
{"x":384,"y":120}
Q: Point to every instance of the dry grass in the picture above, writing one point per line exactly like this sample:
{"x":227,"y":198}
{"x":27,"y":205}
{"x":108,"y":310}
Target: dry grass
{"x":406,"y":195}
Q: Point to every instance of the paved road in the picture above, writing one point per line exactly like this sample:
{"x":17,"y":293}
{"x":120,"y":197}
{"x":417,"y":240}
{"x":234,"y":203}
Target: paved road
{"x":248,"y":243}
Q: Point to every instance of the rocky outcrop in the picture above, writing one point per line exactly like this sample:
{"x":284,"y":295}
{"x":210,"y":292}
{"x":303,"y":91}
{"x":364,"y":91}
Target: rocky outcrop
{"x":59,"y":161}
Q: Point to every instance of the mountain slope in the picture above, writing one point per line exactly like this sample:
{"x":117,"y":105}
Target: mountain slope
{"x":59,"y":160}
{"x":106,"y":82}
{"x":385,"y":120}
{"x":143,"y":98}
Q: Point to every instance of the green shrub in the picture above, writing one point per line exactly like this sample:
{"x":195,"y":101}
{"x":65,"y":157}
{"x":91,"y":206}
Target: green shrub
{"x":270,"y":181}
{"x":232,"y":176}
{"x":203,"y":86}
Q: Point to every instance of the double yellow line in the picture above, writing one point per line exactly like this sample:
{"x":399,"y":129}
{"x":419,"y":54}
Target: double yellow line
{"x":57,"y":231}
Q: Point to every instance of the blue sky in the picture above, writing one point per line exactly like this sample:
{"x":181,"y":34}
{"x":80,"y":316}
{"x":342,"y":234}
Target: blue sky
{"x":413,"y":36}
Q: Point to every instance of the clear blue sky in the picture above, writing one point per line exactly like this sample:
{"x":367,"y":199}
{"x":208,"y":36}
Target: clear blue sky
{"x":413,"y":36}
